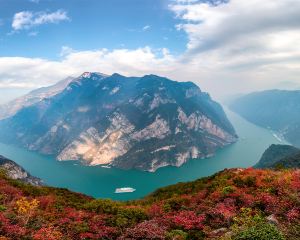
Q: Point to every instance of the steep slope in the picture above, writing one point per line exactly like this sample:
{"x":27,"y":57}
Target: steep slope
{"x":14,"y":171}
{"x":233,"y":204}
{"x":275,"y":109}
{"x":10,"y":108}
{"x":128,"y":122}
{"x":280,"y":156}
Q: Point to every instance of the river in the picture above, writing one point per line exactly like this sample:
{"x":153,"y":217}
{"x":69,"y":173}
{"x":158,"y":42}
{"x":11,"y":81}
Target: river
{"x":101,"y":182}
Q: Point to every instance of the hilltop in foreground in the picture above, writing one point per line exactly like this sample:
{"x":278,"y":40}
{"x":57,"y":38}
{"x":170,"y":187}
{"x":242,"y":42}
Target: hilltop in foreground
{"x":233,"y":204}
{"x":127,"y":122}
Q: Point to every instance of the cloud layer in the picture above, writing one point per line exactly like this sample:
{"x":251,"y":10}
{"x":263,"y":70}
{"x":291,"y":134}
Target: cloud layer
{"x":35,"y":72}
{"x":27,"y":19}
{"x":233,"y":46}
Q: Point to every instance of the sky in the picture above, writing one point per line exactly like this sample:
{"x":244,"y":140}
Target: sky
{"x":227,"y":47}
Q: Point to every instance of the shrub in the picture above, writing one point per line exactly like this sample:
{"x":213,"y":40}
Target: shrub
{"x":102,"y":206}
{"x":145,"y":230}
{"x":2,"y":208}
{"x":228,"y":190}
{"x":195,"y":235}
{"x":176,"y":235}
{"x":263,"y":231}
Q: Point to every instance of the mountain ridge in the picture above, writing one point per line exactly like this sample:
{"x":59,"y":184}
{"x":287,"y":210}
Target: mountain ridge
{"x":128,"y":122}
{"x":280,"y":156}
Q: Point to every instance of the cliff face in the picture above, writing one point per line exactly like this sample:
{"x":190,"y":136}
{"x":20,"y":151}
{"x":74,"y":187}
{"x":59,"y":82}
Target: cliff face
{"x":128,"y":122}
{"x":14,"y":171}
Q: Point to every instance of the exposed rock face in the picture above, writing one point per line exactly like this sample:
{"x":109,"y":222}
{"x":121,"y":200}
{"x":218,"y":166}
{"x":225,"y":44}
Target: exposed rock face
{"x":127,"y":122}
{"x":14,"y":171}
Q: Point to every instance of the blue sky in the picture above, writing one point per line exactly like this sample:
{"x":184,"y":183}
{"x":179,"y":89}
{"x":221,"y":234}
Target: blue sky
{"x":225,"y":46}
{"x":91,"y":24}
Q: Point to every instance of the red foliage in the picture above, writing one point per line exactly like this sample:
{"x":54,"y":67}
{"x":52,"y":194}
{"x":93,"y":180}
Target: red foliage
{"x":293,"y":215}
{"x":213,"y":206}
{"x":189,"y":220}
{"x":145,"y":230}
{"x":11,"y":230}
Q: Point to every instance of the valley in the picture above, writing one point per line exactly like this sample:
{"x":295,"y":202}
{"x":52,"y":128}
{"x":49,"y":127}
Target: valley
{"x":102,"y":182}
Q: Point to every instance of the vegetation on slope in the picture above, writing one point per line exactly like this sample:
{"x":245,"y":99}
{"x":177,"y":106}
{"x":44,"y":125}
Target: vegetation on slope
{"x":277,"y":156}
{"x":233,"y":204}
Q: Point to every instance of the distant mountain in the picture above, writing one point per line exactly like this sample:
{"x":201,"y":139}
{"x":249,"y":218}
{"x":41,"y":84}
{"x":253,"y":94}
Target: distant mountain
{"x":280,"y":156}
{"x":10,"y":108}
{"x":275,"y":109}
{"x":14,"y":171}
{"x":128,"y":122}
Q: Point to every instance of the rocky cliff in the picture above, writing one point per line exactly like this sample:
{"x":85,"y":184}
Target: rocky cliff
{"x":14,"y":171}
{"x":128,"y":122}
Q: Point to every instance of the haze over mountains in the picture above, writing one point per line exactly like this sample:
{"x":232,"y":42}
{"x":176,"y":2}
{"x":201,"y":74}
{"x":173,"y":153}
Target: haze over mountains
{"x":10,"y":108}
{"x":128,"y":122}
{"x":278,"y":110}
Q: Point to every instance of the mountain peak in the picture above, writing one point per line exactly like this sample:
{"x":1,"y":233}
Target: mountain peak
{"x":92,"y":74}
{"x":117,"y":75}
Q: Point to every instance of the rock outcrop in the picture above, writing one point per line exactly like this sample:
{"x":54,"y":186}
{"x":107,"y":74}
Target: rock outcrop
{"x":14,"y":171}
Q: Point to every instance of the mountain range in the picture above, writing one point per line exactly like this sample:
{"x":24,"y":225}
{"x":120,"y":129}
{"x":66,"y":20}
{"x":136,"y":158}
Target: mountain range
{"x":278,"y":110}
{"x":128,"y":122}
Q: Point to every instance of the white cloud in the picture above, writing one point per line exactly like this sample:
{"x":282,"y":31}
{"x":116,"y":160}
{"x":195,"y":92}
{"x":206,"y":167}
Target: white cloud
{"x":27,"y":19}
{"x":35,"y":72}
{"x":241,"y":45}
{"x":146,"y":28}
{"x":232,"y":47}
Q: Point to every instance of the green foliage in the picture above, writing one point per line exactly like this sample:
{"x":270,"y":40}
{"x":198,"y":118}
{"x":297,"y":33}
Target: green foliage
{"x":2,"y":208}
{"x":249,"y":181}
{"x":178,"y":189}
{"x":252,"y":226}
{"x":228,"y":190}
{"x":123,"y":216}
{"x":263,"y":231}
{"x":129,"y":216}
{"x":103,"y":206}
{"x":195,"y":235}
{"x":176,"y":235}
{"x":174,"y":203}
